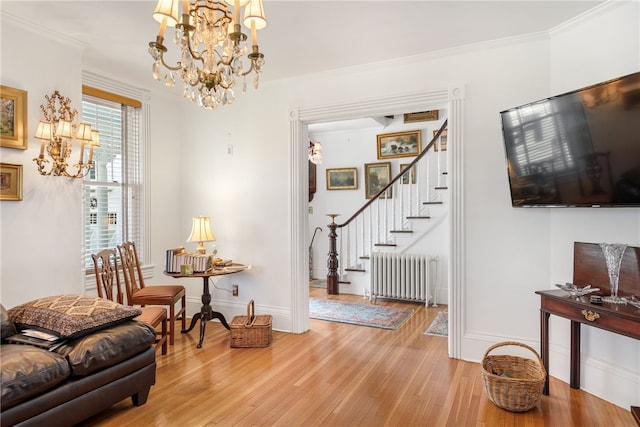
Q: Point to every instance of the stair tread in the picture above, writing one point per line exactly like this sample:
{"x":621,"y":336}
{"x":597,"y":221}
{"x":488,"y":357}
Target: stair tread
{"x":432,"y":203}
{"x":440,"y":188}
{"x":401,"y":231}
{"x":385,"y":244}
{"x":354,"y":269}
{"x":364,"y":257}
{"x":418,"y":217}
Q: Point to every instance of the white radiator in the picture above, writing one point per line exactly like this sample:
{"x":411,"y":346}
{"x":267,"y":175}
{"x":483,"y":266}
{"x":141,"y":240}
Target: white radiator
{"x":400,"y":276}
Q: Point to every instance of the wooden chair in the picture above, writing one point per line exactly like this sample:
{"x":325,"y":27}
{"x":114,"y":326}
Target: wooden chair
{"x":105,"y":265}
{"x":139,"y":294}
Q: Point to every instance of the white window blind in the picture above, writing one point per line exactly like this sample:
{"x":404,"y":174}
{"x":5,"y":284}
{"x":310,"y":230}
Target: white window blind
{"x":113,"y":190}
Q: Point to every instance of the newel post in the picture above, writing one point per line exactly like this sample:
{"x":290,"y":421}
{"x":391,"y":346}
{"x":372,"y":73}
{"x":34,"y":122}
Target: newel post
{"x":332,"y":262}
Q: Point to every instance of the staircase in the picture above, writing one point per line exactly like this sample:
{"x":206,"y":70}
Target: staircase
{"x":397,"y":219}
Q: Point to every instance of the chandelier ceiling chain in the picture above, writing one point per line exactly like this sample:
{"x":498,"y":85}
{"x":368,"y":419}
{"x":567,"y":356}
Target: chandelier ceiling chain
{"x":212,"y":48}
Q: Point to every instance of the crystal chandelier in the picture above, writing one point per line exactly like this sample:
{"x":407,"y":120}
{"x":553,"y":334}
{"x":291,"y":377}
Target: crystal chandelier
{"x":212,"y":48}
{"x":57,"y":131}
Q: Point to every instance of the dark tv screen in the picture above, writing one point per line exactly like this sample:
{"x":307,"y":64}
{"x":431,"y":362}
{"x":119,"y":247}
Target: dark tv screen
{"x":578,"y":149}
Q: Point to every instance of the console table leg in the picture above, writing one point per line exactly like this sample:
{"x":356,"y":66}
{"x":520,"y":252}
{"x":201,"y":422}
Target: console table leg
{"x":544,"y":348}
{"x":575,"y":355}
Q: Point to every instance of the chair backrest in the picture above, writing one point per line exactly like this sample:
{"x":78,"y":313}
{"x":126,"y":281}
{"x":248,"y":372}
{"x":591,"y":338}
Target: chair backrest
{"x":131,"y":270}
{"x":105,"y":266}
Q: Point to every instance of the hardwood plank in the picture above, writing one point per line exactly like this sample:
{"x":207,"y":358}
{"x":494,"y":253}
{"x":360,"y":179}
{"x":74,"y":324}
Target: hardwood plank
{"x":339,"y":375}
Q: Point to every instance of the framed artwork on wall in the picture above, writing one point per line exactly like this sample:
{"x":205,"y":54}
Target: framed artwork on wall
{"x":399,"y":144}
{"x":421,"y":116}
{"x":13,"y":118}
{"x":441,"y":143}
{"x":409,"y":177}
{"x":342,"y":179}
{"x":376,"y":177}
{"x":10,"y":181}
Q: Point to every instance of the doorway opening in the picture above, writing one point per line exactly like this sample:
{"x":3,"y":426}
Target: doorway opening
{"x":300,"y":118}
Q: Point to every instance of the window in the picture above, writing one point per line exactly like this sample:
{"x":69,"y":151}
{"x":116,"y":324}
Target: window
{"x":113,"y":190}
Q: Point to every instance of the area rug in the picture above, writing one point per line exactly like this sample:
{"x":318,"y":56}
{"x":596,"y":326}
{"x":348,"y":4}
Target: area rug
{"x":375,"y":316}
{"x":440,"y":325}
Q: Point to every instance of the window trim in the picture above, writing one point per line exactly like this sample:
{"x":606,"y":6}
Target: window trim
{"x":129,"y":95}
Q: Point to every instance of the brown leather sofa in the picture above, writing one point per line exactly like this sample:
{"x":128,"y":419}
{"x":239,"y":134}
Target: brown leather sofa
{"x":77,"y":379}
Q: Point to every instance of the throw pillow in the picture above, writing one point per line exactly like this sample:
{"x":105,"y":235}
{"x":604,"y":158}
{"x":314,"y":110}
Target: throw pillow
{"x":70,"y":316}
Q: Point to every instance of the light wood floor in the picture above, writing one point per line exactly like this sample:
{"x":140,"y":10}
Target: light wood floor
{"x":339,"y":375}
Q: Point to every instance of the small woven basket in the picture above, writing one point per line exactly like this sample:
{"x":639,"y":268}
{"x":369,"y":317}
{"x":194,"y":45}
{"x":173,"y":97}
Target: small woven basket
{"x":513,"y":383}
{"x":251,"y":330}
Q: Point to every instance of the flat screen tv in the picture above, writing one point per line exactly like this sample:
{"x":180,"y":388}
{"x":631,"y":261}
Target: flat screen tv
{"x":578,"y":149}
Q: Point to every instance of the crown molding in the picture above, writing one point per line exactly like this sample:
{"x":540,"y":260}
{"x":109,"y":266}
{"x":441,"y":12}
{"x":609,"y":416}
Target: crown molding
{"x":42,"y":31}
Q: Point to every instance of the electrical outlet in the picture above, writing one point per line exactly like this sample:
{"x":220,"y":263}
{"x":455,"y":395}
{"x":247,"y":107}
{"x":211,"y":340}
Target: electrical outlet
{"x":235,"y":290}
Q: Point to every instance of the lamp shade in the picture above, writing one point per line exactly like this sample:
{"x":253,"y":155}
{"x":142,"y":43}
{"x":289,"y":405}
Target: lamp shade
{"x":201,"y":232}
{"x":64,"y":129}
{"x":95,"y":138}
{"x":167,"y":9}
{"x":83,"y":132}
{"x":254,"y":13}
{"x":44,"y":131}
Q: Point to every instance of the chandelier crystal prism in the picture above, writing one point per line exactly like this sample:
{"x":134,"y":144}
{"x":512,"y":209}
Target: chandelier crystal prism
{"x":212,"y":52}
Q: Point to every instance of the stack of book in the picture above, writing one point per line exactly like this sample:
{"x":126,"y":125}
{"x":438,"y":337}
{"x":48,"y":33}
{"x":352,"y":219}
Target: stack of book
{"x":172,"y":262}
{"x":177,"y":257}
{"x":37,"y":338}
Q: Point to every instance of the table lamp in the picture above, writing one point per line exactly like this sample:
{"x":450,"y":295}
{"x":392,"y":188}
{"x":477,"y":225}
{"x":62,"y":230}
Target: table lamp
{"x":201,"y":232}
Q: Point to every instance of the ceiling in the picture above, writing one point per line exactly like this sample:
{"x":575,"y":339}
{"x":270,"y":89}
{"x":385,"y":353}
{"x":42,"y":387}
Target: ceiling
{"x":302,"y":36}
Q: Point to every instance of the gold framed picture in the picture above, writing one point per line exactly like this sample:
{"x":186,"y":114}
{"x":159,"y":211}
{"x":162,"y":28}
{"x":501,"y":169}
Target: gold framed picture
{"x":399,"y":144}
{"x":10,"y":181}
{"x":342,"y":179}
{"x":408,"y":177}
{"x":421,"y":116}
{"x":13,"y":118}
{"x":376,"y":177}
{"x":441,"y":143}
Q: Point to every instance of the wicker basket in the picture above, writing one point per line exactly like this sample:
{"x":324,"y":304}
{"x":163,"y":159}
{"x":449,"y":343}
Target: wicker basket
{"x":513,"y":383}
{"x":251,"y":330}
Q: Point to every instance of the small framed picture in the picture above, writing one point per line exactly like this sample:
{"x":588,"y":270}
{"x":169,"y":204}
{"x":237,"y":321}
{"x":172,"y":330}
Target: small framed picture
{"x":342,"y":179}
{"x":376,"y":177}
{"x":441,"y":143}
{"x":409,"y":177}
{"x":13,"y":118}
{"x":10,"y":181}
{"x":399,"y":144}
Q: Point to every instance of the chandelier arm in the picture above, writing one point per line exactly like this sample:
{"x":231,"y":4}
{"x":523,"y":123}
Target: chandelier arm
{"x":169,"y":67}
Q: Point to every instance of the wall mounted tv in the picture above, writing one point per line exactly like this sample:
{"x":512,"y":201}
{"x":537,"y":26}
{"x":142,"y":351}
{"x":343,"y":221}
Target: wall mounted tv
{"x":578,"y":149}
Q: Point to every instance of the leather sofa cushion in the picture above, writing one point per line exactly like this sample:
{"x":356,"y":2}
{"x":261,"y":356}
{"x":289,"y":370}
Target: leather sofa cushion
{"x":106,"y":347}
{"x":70,"y":316}
{"x":6,"y":325}
{"x":27,"y":371}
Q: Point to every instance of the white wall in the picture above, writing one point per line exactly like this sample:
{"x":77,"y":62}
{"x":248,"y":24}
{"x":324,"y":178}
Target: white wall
{"x":509,"y":252}
{"x":39,"y":235}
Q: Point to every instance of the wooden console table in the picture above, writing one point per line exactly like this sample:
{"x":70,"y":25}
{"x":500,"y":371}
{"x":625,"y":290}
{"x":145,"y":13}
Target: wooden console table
{"x":620,"y":319}
{"x":590,"y":269}
{"x":206,"y":311}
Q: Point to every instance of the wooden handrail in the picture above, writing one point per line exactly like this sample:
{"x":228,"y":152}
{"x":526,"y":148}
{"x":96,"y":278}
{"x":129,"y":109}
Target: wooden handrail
{"x":397,"y":177}
{"x":332,"y":261}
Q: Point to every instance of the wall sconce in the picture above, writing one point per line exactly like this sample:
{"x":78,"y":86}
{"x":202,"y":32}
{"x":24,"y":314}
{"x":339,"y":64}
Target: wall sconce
{"x":56,"y":133}
{"x":315,"y":152}
{"x":201,"y":232}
